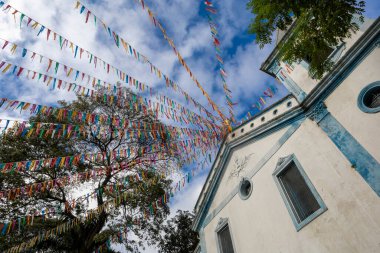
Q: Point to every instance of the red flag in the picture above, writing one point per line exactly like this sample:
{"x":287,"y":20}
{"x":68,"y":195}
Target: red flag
{"x":212,"y":10}
{"x":208,"y":3}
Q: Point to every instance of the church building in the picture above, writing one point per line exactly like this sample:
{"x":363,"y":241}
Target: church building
{"x":304,"y":174}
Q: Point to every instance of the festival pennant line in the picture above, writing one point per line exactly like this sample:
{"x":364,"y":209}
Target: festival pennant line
{"x":168,"y":112}
{"x":55,"y":66}
{"x":77,"y":116}
{"x":117,"y":38}
{"x":22,"y":221}
{"x":56,"y":130}
{"x":176,"y":147}
{"x":63,"y":228}
{"x":268,"y":93}
{"x":26,"y":129}
{"x":78,"y":177}
{"x":259,"y":105}
{"x":77,"y":50}
{"x":209,"y":7}
{"x":100,"y":84}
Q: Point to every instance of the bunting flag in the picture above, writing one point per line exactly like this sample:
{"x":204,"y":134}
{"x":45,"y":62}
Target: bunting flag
{"x":106,"y":207}
{"x":101,"y":85}
{"x":176,"y":147}
{"x":66,"y":43}
{"x":133,"y":52}
{"x":139,"y":103}
{"x":79,"y":177}
{"x":95,"y":119}
{"x":90,"y":214}
{"x":69,"y":205}
{"x":209,"y":7}
{"x":25,"y":129}
{"x":260,"y":104}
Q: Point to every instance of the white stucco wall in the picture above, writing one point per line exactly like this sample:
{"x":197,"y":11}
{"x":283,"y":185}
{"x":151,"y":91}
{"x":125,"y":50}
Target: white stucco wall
{"x":262,"y":222}
{"x":228,"y":182}
{"x":342,"y":104}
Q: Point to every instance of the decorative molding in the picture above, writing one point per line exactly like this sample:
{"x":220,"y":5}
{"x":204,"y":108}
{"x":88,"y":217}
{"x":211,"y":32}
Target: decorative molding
{"x":318,"y":112}
{"x":281,"y":160}
{"x":222,"y":222}
{"x":239,"y":165}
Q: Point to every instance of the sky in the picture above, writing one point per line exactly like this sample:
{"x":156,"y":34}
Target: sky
{"x":184,"y":21}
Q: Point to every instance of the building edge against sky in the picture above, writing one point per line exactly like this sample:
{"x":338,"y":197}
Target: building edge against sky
{"x":304,"y":174}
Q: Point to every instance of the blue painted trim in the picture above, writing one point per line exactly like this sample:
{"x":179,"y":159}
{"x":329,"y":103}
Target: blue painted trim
{"x":288,"y":82}
{"x":367,"y":166}
{"x":205,"y":221}
{"x":362,"y":93}
{"x":322,"y":206}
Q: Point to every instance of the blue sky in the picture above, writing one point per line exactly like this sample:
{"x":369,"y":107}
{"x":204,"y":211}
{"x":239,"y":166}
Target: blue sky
{"x":186,"y":24}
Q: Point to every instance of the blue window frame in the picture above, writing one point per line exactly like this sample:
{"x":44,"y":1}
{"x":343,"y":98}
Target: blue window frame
{"x":369,"y":98}
{"x":301,"y":198}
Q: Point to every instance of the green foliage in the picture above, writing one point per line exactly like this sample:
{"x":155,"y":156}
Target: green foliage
{"x":178,"y":236}
{"x":88,"y":235}
{"x":318,"y":25}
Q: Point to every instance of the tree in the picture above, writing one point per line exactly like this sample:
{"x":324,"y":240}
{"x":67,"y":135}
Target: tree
{"x":178,"y":236}
{"x":105,"y":178}
{"x":318,"y":26}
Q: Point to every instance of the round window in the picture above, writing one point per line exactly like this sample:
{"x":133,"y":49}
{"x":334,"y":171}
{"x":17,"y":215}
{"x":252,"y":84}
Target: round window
{"x":369,"y":98}
{"x":245,"y":188}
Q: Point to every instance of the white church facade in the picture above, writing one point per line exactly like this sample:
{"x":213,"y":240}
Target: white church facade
{"x":304,"y":174}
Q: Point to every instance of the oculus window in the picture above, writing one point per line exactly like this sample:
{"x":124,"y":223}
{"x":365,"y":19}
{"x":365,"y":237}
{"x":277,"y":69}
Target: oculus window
{"x":301,"y":198}
{"x":245,"y":188}
{"x":369,"y":98}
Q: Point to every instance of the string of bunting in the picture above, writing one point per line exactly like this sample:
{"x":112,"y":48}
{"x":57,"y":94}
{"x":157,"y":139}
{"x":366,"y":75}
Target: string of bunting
{"x":209,"y":7}
{"x":74,"y":178}
{"x":65,"y":227}
{"x":77,"y":116}
{"x":23,"y":221}
{"x":268,"y":93}
{"x":261,"y":102}
{"x":187,"y":146}
{"x":26,"y":129}
{"x":97,"y":83}
{"x":56,"y":130}
{"x":77,"y":50}
{"x":169,"y":112}
{"x":180,"y":146}
{"x":117,"y":38}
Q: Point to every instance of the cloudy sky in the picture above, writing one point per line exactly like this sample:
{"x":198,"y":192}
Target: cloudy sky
{"x":184,"y":21}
